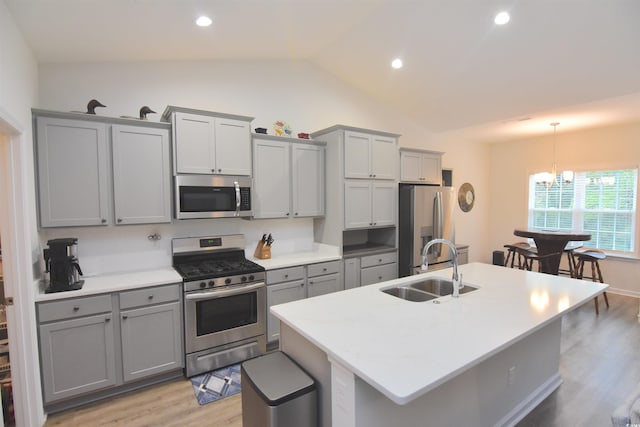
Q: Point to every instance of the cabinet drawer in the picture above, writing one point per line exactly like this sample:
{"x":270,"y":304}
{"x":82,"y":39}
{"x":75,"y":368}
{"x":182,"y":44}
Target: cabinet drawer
{"x":379,"y":273}
{"x":285,"y":274}
{"x":72,"y":308}
{"x":324,"y":285}
{"x":379,"y":259}
{"x":149,"y":296}
{"x":321,"y":268}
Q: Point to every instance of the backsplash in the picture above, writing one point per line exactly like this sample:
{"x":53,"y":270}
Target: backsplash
{"x":111,"y":249}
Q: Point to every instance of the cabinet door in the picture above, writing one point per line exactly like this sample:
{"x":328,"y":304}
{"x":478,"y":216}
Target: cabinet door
{"x":280,"y":294}
{"x":410,"y":166}
{"x":141,"y":175}
{"x":77,"y":356}
{"x":151,"y":340}
{"x":351,"y":273}
{"x":307,"y":180}
{"x":356,"y":155}
{"x":384,"y":157}
{"x":379,"y":273}
{"x":431,"y":168}
{"x":383,"y":204}
{"x":232,"y":147}
{"x":357,"y":204}
{"x":322,"y":285}
{"x":271,"y":189}
{"x":73,"y":176}
{"x":194,"y":143}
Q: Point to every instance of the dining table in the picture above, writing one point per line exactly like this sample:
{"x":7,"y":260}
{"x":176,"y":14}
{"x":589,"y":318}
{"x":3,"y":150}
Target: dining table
{"x":551,"y":242}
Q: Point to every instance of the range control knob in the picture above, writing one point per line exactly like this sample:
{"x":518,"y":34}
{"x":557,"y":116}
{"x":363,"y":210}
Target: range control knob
{"x":227,"y":281}
{"x":203,"y":285}
{"x":251,"y":277}
{"x":211,"y":283}
{"x":243,"y":279}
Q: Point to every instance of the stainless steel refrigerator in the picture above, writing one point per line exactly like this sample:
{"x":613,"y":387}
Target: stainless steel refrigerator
{"x":425,"y":213}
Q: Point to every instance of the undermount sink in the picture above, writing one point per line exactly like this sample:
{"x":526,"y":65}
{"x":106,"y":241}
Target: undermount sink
{"x":409,"y":294}
{"x":426,"y":290}
{"x":440,"y":286}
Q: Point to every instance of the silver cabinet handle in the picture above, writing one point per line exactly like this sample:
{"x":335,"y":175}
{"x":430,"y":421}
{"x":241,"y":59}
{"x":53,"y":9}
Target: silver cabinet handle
{"x":213,"y":170}
{"x":286,"y":276}
{"x":76,"y":308}
{"x":324,"y":269}
{"x":151,"y":296}
{"x":311,"y":283}
{"x":103,"y":220}
{"x":219,"y":170}
{"x":296,"y":214}
{"x":287,"y":213}
{"x":119,"y":219}
{"x":108,"y":319}
{"x":124,"y":316}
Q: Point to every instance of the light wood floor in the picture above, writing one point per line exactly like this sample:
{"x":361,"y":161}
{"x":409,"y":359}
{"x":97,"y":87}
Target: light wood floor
{"x":600,"y":365}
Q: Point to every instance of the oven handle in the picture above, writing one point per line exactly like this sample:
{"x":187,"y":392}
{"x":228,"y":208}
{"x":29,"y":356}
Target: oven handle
{"x":237,"y":197}
{"x":222,"y":293}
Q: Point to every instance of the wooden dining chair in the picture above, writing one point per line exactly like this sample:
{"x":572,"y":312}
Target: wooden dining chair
{"x":512,"y":250}
{"x":591,"y":256}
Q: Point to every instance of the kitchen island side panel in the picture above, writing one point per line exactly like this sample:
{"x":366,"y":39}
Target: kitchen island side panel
{"x":499,"y":390}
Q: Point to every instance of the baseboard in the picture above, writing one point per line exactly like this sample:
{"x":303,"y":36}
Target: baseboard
{"x":528,"y":404}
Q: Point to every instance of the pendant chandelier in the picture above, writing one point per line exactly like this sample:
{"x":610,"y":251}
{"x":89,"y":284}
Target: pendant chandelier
{"x":548,"y":179}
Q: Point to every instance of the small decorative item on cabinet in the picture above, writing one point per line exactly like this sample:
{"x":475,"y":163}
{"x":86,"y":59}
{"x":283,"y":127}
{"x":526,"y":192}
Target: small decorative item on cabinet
{"x":303,"y":135}
{"x":282,"y":128}
{"x":261,"y":130}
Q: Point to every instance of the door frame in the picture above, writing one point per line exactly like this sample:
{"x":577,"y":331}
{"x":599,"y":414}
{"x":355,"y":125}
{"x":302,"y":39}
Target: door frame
{"x":18,"y":271}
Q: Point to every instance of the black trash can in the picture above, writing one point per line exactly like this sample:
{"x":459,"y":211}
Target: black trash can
{"x":498,"y":258}
{"x":276,"y":392}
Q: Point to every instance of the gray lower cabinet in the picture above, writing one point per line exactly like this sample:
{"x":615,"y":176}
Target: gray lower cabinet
{"x":370,"y":269}
{"x":77,"y":356}
{"x":299,"y":282}
{"x":93,"y":343}
{"x":151,"y":340}
{"x":279,"y":294}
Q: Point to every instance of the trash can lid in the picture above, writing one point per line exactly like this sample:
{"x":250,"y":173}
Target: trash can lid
{"x":277,"y":378}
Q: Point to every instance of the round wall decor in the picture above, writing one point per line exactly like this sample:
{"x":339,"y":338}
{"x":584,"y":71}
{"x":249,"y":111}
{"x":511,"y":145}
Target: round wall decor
{"x":466,"y":197}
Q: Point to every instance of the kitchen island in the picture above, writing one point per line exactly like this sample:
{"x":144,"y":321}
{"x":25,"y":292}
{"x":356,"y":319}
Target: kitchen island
{"x":485,"y":358}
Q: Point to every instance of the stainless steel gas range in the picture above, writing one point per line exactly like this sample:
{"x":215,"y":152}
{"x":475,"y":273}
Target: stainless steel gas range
{"x":224,"y":302}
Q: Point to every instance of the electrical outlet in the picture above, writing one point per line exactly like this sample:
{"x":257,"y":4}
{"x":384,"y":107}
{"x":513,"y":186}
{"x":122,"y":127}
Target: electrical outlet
{"x":511,"y":376}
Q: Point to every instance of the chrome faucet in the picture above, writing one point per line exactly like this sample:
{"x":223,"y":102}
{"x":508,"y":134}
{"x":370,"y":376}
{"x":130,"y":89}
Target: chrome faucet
{"x":457,"y":279}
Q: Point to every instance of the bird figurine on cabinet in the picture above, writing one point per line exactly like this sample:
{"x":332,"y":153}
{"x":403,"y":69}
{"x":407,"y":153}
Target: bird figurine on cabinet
{"x":144,"y":111}
{"x":91,"y":106}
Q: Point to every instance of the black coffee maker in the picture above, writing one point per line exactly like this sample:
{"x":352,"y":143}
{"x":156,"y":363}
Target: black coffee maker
{"x":61,"y":262}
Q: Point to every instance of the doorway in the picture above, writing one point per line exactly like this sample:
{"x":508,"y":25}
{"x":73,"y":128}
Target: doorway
{"x":18,"y":348}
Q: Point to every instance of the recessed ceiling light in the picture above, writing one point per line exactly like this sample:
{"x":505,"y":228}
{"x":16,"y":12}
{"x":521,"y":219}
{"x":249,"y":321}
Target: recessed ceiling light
{"x":203,"y":21}
{"x":502,"y":18}
{"x":396,"y":63}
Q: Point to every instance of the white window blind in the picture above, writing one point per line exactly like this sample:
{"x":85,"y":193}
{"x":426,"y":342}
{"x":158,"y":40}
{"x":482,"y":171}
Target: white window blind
{"x":602,"y":203}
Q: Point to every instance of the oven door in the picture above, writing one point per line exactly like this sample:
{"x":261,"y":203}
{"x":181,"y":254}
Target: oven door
{"x":205,"y":196}
{"x":222,"y":316}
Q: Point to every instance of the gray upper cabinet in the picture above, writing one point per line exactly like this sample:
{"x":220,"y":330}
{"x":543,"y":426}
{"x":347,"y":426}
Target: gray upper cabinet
{"x":369,"y":156}
{"x":100,"y":170}
{"x":141,"y":175}
{"x":289,"y":178}
{"x":419,"y":166}
{"x":369,"y":204}
{"x":210,"y":143}
{"x":73,"y":172}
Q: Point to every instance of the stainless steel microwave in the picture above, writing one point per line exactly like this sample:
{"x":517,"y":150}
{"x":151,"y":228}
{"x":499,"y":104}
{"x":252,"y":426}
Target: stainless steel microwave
{"x":212,"y":196}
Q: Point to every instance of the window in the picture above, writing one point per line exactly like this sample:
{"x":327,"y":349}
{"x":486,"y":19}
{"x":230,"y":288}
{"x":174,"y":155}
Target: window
{"x":602,"y":203}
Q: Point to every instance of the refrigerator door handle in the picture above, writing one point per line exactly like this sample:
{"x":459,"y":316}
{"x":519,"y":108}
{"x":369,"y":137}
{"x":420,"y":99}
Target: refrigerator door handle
{"x":438,"y":216}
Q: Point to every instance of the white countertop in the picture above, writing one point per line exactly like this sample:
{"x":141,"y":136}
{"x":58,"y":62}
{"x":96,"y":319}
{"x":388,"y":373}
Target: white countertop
{"x":117,"y":282}
{"x":405,"y":349}
{"x":319,"y":253}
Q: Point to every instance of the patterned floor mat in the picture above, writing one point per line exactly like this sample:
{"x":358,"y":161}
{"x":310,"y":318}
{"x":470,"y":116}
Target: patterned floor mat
{"x":216,"y":385}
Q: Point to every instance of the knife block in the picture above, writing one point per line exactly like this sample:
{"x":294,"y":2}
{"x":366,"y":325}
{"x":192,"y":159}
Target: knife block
{"x":262,"y":251}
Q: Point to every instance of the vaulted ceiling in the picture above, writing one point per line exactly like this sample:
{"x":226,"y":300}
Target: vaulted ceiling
{"x":574,"y":61}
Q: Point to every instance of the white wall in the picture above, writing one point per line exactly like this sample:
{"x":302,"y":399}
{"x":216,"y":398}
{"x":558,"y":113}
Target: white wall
{"x":298,"y":92}
{"x":512,"y":163}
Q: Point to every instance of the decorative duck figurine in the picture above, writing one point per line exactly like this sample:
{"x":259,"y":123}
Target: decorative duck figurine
{"x":91,"y":106}
{"x":144,"y":111}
